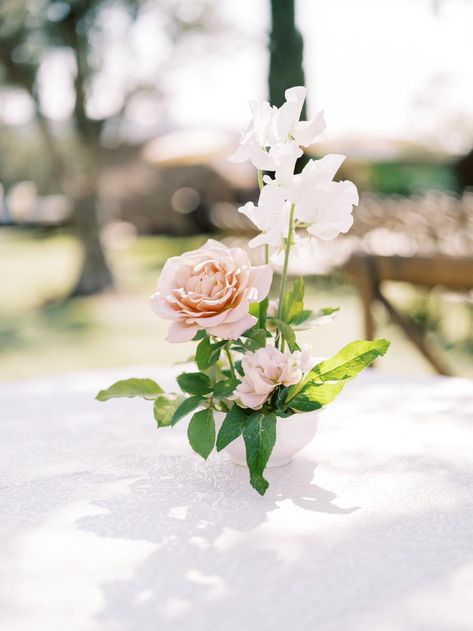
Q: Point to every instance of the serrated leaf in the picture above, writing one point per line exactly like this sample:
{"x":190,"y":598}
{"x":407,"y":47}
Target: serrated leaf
{"x":164,"y":408}
{"x":199,"y":335}
{"x":146,"y":388}
{"x":201,"y":432}
{"x":350,"y":360}
{"x":225,"y":388}
{"x":194,"y":383}
{"x":259,"y":435}
{"x":186,"y":407}
{"x":232,"y":426}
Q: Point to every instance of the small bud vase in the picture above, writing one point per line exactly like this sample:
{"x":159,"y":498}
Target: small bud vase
{"x":292,"y":435}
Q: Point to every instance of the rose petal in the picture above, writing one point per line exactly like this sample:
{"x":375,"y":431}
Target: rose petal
{"x":181,"y":332}
{"x":261,"y":278}
{"x":233,"y":330}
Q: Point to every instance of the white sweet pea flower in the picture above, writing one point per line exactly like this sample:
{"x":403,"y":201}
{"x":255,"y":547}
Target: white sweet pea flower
{"x":304,"y":259}
{"x":271,"y":215}
{"x":285,"y":157}
{"x":257,"y":137}
{"x":287,"y":125}
{"x":323,"y":204}
{"x":333,"y":208}
{"x":271,"y":128}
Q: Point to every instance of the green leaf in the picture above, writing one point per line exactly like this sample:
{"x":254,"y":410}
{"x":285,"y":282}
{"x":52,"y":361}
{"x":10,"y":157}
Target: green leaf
{"x":201,"y":432}
{"x":224,"y":388}
{"x":256,"y":338}
{"x":259,"y":435}
{"x":194,"y":383}
{"x":314,"y":391}
{"x":254,"y":309}
{"x":302,"y":317}
{"x":207,"y":353}
{"x":280,"y":397}
{"x":215,"y":352}
{"x":314,"y":395}
{"x":351,"y":360}
{"x":146,"y":388}
{"x":263,"y":310}
{"x":287,"y":333}
{"x":202,"y":353}
{"x":294,"y":300}
{"x":185,"y":408}
{"x":164,"y":408}
{"x":199,"y":335}
{"x":308,"y":318}
{"x":232,"y":426}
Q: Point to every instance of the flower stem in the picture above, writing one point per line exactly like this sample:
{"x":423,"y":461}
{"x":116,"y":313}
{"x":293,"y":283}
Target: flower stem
{"x":282,"y":287}
{"x":230,"y":360}
{"x":263,"y":305}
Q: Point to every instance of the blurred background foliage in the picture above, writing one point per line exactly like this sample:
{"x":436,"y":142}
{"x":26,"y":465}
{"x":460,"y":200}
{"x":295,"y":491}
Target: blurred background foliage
{"x":106,"y":169}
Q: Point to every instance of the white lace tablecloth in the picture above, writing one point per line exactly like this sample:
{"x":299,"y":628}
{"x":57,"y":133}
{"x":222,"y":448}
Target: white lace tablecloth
{"x":108,"y":524}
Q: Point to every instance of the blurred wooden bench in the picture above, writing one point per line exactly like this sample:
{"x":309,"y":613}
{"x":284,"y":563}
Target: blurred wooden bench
{"x":370,"y":271}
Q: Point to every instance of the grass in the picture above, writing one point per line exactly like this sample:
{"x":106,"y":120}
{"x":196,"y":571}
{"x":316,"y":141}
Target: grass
{"x":40,"y":335}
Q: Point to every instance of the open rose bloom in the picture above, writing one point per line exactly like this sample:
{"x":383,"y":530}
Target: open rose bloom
{"x":250,"y":374}
{"x":210,"y":289}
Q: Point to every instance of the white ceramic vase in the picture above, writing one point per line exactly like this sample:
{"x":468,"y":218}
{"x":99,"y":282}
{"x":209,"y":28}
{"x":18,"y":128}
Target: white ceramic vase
{"x":292,"y":435}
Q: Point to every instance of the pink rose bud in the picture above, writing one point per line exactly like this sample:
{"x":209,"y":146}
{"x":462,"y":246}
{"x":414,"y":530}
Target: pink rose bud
{"x":264,"y":370}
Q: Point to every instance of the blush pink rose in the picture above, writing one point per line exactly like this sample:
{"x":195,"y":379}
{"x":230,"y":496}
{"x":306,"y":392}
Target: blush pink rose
{"x":210,"y":289}
{"x":264,"y":370}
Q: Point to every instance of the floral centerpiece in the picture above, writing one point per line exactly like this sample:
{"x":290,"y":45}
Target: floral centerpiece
{"x":252,"y":378}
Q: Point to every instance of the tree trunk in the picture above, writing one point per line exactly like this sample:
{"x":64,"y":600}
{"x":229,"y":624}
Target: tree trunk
{"x":95,"y":275}
{"x":286,"y":52}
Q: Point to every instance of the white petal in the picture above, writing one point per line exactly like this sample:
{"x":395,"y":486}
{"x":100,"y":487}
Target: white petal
{"x":263,"y":114}
{"x":249,"y":210}
{"x":306,"y":133}
{"x":288,"y":114}
{"x":297,"y":93}
{"x":261,"y":159}
{"x":329,"y":165}
{"x":285,"y":157}
{"x":242,"y":154}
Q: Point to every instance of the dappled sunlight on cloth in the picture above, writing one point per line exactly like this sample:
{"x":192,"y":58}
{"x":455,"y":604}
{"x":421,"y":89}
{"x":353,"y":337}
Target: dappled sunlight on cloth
{"x":111,"y":525}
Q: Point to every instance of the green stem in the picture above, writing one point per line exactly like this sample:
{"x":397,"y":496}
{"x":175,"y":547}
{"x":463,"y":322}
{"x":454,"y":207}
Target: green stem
{"x":282,"y":287}
{"x":230,"y":360}
{"x":263,"y":305}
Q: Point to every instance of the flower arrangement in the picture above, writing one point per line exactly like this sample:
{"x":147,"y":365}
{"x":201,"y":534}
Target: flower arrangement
{"x":251,"y":371}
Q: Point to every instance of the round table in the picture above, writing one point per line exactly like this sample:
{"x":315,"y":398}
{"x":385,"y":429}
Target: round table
{"x":109,"y":524}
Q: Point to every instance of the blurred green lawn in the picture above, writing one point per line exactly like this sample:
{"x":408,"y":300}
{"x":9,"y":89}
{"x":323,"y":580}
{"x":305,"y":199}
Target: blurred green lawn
{"x":40,"y":335}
